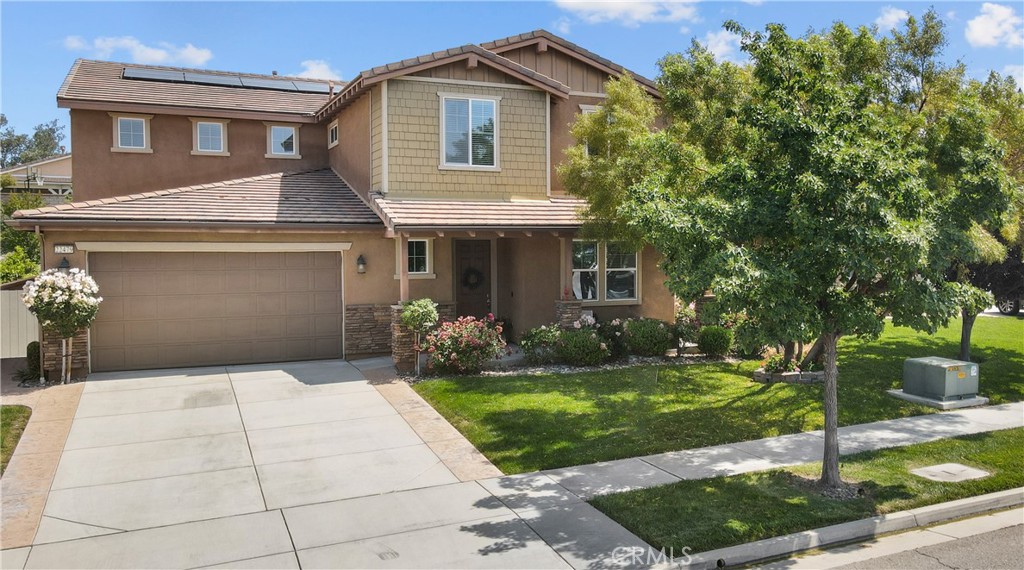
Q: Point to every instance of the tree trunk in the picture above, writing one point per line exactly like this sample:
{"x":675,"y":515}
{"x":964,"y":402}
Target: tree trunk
{"x":789,"y":350}
{"x":812,"y":355}
{"x":71,"y":350}
{"x":830,"y":462}
{"x":965,"y":334}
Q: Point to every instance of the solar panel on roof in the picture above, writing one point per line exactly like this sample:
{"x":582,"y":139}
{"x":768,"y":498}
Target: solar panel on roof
{"x":277,"y":84}
{"x":153,"y":74}
{"x":312,"y":87}
{"x":209,"y":79}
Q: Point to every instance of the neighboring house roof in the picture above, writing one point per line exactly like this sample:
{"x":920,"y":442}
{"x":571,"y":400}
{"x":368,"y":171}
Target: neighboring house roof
{"x":548,"y":39}
{"x":100,"y":85}
{"x":304,"y":199}
{"x":64,"y":156}
{"x":430,"y":214}
{"x":474,"y":55}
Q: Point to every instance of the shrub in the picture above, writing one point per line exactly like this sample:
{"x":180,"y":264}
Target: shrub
{"x":776,"y":363}
{"x":32,"y":358}
{"x":17,"y":265}
{"x":539,"y":344}
{"x":686,"y":325}
{"x":582,"y":347}
{"x":714,"y":341}
{"x":750,"y":339}
{"x":464,"y":345}
{"x":419,"y":315}
{"x":614,"y":334}
{"x":647,"y":337}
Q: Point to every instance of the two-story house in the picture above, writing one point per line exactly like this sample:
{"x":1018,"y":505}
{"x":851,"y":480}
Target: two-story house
{"x":233,"y":218}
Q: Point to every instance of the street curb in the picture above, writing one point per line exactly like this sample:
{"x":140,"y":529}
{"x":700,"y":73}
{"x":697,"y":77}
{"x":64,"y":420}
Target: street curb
{"x":781,"y":546}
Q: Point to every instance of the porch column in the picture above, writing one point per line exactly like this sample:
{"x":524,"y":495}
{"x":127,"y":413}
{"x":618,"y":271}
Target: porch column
{"x":565,"y":281}
{"x":403,"y":267}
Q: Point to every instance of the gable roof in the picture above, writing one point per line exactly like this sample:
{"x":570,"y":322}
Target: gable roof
{"x":551,"y":40}
{"x":315,"y":198}
{"x":473,"y":54}
{"x":101,"y":85}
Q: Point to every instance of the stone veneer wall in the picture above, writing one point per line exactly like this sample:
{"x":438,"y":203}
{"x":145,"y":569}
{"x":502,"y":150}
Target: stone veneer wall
{"x":403,"y":350}
{"x":568,"y":312}
{"x":51,"y":349}
{"x":367,"y":329}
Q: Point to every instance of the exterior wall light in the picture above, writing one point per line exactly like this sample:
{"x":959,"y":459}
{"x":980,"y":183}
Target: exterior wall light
{"x":64,"y":266}
{"x":361,"y":264}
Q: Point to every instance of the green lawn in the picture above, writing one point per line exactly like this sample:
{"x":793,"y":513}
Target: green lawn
{"x":714,"y":513}
{"x":527,"y":423}
{"x":12,"y":423}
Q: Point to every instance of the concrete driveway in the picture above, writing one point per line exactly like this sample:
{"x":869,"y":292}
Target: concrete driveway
{"x":277,"y":466}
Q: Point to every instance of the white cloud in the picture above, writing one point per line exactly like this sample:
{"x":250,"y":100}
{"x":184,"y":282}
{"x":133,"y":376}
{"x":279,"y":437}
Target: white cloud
{"x":890,"y":18}
{"x":162,"y":53}
{"x":996,"y":25}
{"x":951,"y":15}
{"x":1017,"y":72}
{"x":317,"y":69}
{"x":562,"y":26}
{"x":684,"y":30}
{"x":631,"y":14}
{"x":724,"y":44}
{"x":753,"y":2}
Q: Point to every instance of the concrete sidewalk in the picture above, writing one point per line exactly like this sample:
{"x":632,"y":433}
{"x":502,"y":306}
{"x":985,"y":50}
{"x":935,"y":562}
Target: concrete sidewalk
{"x":588,"y":481}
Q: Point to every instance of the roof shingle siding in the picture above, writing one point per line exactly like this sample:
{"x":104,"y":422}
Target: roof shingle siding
{"x":316,"y":197}
{"x":102,"y":81}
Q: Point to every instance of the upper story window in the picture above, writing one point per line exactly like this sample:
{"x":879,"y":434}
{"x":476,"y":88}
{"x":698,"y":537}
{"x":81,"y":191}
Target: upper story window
{"x":131,"y":133}
{"x":210,"y":137}
{"x":605,"y":272}
{"x":332,"y":135}
{"x":588,"y":110}
{"x":282,"y":141}
{"x":469,"y":131}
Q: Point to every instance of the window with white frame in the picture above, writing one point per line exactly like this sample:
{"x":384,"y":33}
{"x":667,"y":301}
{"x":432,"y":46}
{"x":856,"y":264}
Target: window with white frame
{"x":619,"y":273}
{"x":131,"y":133}
{"x":604,"y":271}
{"x":469,"y":131}
{"x":282,"y":141}
{"x":588,"y":110}
{"x":210,"y":136}
{"x":332,"y":135}
{"x":419,"y":260}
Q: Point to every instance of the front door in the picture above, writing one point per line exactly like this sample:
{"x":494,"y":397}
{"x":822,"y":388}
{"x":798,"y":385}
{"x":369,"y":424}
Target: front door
{"x":472,"y":277}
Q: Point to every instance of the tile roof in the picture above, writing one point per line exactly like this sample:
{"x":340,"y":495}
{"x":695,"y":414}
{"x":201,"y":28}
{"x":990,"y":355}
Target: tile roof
{"x":101,"y":82}
{"x":511,"y":42}
{"x":409,"y":214}
{"x":316,"y":197}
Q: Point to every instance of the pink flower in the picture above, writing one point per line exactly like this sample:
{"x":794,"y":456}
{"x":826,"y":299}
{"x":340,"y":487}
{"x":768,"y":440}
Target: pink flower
{"x":577,"y":325}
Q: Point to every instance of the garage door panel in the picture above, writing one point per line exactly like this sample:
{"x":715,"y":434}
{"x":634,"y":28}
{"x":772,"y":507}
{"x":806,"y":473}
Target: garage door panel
{"x":215,"y":308}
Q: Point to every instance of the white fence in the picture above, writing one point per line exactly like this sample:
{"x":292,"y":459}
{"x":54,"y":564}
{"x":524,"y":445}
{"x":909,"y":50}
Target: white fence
{"x":18,"y":327}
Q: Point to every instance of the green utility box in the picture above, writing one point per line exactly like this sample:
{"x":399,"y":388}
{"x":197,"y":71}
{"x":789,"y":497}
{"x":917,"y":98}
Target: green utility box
{"x":940,"y":378}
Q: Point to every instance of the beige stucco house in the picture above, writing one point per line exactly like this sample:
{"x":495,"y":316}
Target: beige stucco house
{"x":233,"y":218}
{"x":49,"y":177}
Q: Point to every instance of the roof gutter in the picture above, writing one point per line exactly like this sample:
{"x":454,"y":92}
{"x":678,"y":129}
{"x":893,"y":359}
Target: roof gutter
{"x":212,"y":112}
{"x":28,"y":224}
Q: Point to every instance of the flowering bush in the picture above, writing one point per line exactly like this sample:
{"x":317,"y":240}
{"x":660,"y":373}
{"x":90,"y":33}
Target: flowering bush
{"x":538,"y":344}
{"x":419,"y":315}
{"x":687,"y":326}
{"x":582,"y":347}
{"x":63,"y":302}
{"x":647,"y":337}
{"x":614,"y":333}
{"x":464,"y":345}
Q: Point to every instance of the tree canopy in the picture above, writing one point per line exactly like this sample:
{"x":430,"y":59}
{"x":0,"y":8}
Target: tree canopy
{"x":19,"y":148}
{"x":820,"y":189}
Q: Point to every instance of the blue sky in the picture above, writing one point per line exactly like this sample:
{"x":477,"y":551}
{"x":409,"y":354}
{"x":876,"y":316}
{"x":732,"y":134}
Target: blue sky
{"x":40,"y":40}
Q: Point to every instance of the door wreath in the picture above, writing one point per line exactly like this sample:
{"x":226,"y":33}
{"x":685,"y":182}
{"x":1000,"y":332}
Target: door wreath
{"x":472,"y":278}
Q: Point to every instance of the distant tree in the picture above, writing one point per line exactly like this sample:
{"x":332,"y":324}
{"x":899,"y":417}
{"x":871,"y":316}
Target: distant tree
{"x":11,"y":238}
{"x":44,"y":142}
{"x":7,"y":181}
{"x":17,"y":265}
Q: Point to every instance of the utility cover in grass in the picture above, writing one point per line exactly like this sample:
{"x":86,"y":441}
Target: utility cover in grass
{"x":950,"y":473}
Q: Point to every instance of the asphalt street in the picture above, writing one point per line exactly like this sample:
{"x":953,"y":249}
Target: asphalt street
{"x":996,"y":550}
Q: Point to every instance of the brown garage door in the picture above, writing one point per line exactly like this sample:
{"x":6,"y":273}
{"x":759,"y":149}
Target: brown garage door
{"x":163,"y":310}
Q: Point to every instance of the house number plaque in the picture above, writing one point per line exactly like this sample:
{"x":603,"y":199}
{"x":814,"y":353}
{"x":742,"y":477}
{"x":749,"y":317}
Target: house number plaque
{"x":63,"y":248}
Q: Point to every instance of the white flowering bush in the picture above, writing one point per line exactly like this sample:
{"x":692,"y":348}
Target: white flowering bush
{"x":63,"y":302}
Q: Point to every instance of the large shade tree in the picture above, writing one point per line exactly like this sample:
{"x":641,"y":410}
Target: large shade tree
{"x":808,"y":206}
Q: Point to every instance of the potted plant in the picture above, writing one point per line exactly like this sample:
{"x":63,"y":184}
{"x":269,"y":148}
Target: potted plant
{"x":64,"y":303}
